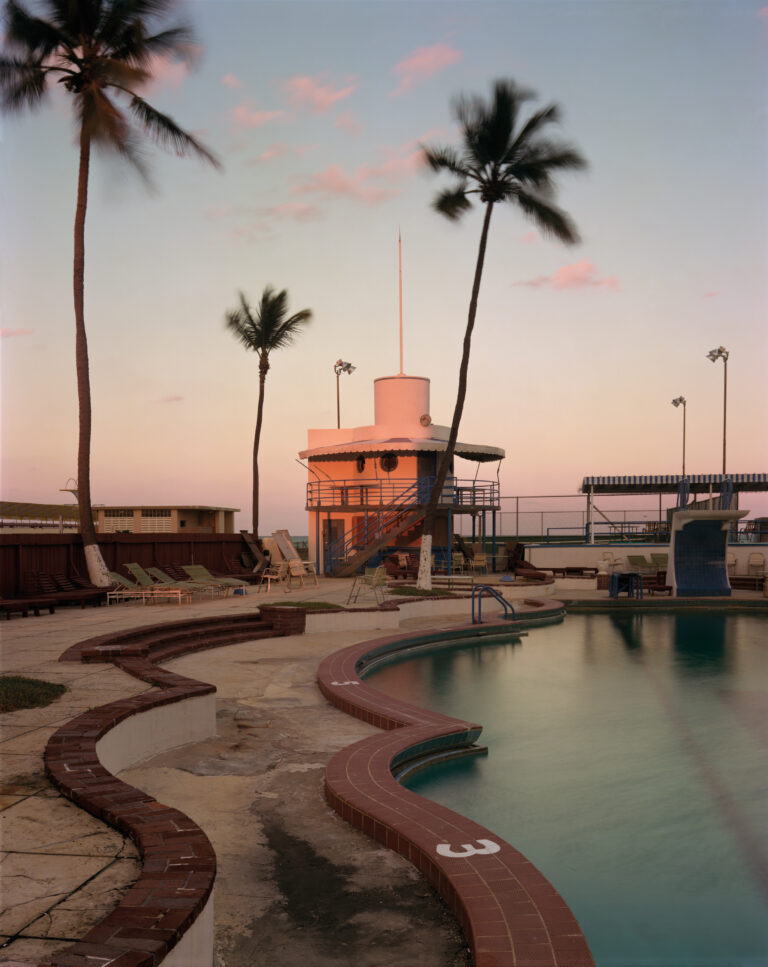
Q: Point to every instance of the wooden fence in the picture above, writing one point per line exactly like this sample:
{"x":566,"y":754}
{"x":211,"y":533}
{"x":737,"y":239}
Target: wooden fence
{"x":25,"y":554}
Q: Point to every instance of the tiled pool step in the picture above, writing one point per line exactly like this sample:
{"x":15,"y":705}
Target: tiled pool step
{"x":510,"y":913}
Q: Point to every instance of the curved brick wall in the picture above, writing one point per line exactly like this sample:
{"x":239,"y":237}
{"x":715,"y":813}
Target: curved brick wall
{"x":172,"y":896}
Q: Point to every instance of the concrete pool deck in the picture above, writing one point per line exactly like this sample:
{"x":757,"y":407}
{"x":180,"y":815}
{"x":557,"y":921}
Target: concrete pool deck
{"x":62,"y":870}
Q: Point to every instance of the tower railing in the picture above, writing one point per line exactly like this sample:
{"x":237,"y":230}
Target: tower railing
{"x":383,"y":493}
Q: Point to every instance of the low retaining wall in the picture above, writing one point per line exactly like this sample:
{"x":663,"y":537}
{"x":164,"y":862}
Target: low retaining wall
{"x":167,"y":915}
{"x":391,"y":614}
{"x":156,"y":730}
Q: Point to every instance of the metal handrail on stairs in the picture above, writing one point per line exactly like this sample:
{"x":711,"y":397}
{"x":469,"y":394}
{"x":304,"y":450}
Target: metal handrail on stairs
{"x":477,"y":594}
{"x":379,"y":522}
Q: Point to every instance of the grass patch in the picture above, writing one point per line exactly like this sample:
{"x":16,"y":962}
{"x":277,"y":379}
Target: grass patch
{"x":17,"y":692}
{"x":309,"y":605}
{"x":407,"y":591}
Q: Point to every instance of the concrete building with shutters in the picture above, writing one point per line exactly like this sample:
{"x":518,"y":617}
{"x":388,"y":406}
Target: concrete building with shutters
{"x":16,"y":517}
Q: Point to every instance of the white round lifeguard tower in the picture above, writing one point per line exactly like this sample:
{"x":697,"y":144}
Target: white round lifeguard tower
{"x":369,"y":485}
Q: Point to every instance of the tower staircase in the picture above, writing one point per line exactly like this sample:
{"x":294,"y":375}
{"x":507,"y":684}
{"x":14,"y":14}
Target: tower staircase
{"x":358,"y":545}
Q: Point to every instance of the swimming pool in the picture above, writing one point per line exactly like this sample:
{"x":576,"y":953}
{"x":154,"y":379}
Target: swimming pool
{"x":629,"y":762}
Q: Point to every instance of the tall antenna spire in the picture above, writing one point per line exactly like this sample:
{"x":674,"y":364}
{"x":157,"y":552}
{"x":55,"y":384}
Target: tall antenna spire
{"x":400,"y":286}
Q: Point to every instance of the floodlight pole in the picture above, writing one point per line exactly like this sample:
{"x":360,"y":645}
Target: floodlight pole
{"x":681,"y":401}
{"x":713,"y":355}
{"x":725,"y":402}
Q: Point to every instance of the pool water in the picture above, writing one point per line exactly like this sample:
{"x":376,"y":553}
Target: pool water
{"x":628,"y":760}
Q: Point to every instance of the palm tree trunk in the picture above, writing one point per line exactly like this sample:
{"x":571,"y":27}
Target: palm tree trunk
{"x":97,"y":569}
{"x":263,"y":367}
{"x":425,"y":558}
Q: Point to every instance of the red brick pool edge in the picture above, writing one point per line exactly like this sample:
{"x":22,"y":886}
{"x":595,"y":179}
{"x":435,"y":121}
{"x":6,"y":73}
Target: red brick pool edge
{"x":511,"y":914}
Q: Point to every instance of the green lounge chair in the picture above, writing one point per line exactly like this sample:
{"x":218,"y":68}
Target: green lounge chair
{"x":637,"y":562}
{"x":145,"y":580}
{"x":125,"y":590}
{"x":192,"y":586}
{"x":374,"y":579}
{"x":198,"y":572}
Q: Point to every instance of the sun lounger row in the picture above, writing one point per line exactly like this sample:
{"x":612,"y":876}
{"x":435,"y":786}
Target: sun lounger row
{"x":171,"y":583}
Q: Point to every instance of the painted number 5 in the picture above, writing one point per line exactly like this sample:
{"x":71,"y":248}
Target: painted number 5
{"x":467,"y":849}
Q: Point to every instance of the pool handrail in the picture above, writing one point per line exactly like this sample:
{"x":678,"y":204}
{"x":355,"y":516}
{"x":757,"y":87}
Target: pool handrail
{"x":477,"y":593}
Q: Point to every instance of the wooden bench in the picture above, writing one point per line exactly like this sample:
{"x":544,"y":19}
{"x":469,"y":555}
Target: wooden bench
{"x":23,"y":606}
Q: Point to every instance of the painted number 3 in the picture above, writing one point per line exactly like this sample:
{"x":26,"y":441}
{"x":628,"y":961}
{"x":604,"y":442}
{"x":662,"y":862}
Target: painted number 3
{"x":487,"y":846}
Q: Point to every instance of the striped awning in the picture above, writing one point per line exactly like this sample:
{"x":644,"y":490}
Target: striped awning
{"x":699,"y":483}
{"x":16,"y":510}
{"x":402,"y":446}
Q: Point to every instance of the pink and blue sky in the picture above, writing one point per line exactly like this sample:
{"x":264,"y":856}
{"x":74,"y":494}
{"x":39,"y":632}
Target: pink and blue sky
{"x":317,"y":111}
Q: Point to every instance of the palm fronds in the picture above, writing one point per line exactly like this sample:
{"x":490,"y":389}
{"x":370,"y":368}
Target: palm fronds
{"x":97,"y":49}
{"x":504,"y":158}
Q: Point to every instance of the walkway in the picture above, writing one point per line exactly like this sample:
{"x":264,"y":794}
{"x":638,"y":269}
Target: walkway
{"x":255,"y":788}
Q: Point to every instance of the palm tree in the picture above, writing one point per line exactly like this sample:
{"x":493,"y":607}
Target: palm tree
{"x":263,"y":331}
{"x":100,"y":51}
{"x":502,"y":159}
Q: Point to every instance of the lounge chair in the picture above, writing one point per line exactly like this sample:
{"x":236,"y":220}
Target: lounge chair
{"x":80,"y":590}
{"x":126,"y":590}
{"x":479,"y":563}
{"x":637,"y":562}
{"x":660,"y":561}
{"x":756,"y":565}
{"x":459,"y":563}
{"x":39,"y":585}
{"x":198,"y":572}
{"x":165,"y":580}
{"x":658,"y":584}
{"x":237,"y":570}
{"x":277,"y":573}
{"x":373,"y":579}
{"x":611,"y":561}
{"x":310,"y":569}
{"x":145,"y":580}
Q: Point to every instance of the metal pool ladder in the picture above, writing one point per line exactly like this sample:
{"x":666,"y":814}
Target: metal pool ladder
{"x":477,"y":594}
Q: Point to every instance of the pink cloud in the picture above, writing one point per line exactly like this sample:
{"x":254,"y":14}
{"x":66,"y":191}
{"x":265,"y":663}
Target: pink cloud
{"x":280,"y":150}
{"x":530,"y":238}
{"x":295,"y":211}
{"x":217,"y":211}
{"x":394,"y":167}
{"x":710,"y":295}
{"x":231,"y":81}
{"x":246,"y":116}
{"x":174,"y":398}
{"x":347,"y":122}
{"x":423,"y":63}
{"x":165,"y":71}
{"x":578,"y":275}
{"x":311,"y":93}
{"x":10,"y":333}
{"x":336,"y":182}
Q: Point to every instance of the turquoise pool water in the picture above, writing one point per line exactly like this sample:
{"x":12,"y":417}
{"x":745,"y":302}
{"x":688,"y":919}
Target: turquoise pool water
{"x":628,"y":759}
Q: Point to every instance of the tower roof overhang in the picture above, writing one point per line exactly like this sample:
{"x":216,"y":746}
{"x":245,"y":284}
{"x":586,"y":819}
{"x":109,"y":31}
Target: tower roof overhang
{"x":401,"y":446}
